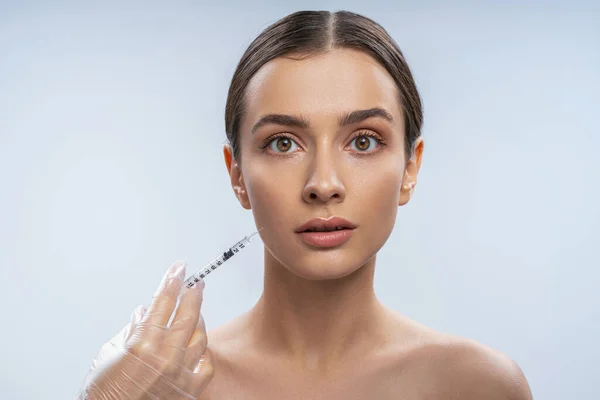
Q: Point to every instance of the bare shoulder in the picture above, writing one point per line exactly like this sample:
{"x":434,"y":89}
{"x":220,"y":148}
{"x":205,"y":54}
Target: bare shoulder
{"x":470,"y":370}
{"x":229,"y":352}
{"x":227,"y":341}
{"x":450,"y":367}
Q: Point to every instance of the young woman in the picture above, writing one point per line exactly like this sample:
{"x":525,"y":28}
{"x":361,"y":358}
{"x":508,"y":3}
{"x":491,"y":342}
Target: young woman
{"x":323,"y":119}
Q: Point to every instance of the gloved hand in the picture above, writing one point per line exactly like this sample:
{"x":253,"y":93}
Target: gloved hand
{"x":152,"y":359}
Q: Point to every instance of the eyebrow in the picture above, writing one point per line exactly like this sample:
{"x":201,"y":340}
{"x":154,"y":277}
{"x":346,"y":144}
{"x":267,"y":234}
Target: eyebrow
{"x":280,"y":119}
{"x":357,"y":116}
{"x":353,"y":117}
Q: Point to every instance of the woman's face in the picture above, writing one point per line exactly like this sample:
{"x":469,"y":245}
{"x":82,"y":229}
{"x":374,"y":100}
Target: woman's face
{"x":323,"y":137}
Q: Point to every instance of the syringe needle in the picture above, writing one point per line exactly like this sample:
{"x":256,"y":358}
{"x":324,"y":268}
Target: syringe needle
{"x":253,"y":234}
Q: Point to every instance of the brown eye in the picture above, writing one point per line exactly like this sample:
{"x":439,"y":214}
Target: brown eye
{"x":363,"y":143}
{"x":282,"y":145}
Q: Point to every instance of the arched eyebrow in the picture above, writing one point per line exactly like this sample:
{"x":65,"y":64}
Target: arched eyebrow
{"x":357,"y":116}
{"x":353,"y":117}
{"x":280,"y":119}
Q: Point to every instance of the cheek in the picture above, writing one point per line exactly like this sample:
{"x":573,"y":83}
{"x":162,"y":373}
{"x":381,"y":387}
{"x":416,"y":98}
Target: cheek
{"x":271,"y":196}
{"x":376,"y":185}
{"x":374,"y":196}
{"x":378,"y":198}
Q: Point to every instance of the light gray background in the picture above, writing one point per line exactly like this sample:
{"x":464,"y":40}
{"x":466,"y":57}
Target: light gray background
{"x":111,"y":127}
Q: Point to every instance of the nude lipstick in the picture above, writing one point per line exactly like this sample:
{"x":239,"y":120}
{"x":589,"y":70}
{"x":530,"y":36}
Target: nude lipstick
{"x":326,"y":233}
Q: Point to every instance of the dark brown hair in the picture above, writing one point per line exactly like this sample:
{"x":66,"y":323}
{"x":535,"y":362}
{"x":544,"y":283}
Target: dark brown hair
{"x":307,"y":33}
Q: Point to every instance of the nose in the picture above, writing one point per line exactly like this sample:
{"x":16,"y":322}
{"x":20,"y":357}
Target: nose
{"x":324,"y":184}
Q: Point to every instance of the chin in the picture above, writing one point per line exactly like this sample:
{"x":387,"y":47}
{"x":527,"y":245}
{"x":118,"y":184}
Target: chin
{"x":314,"y":274}
{"x":325,"y":265}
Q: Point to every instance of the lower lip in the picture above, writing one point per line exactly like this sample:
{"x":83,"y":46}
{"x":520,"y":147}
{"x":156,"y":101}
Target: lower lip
{"x":326,"y":239}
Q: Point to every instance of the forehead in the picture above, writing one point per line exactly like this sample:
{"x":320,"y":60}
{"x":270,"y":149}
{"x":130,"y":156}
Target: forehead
{"x":328,"y":84}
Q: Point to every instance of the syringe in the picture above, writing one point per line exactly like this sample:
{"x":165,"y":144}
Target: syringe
{"x":233,"y":250}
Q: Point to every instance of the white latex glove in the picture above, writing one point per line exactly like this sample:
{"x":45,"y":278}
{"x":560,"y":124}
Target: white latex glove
{"x":152,"y":359}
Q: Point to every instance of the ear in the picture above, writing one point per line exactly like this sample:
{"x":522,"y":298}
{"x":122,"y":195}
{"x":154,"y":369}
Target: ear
{"x":409,"y":180}
{"x":237,"y":180}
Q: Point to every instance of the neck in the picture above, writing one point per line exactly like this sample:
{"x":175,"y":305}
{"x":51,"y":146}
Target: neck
{"x":315,"y":322}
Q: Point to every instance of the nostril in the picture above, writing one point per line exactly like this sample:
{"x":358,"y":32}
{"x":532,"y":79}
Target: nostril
{"x":313,"y":196}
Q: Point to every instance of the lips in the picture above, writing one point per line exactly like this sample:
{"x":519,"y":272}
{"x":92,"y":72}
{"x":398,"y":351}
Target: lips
{"x":325,"y":225}
{"x":326,"y":233}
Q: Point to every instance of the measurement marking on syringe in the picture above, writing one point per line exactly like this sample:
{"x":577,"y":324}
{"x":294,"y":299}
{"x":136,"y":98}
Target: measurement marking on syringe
{"x":233,"y":250}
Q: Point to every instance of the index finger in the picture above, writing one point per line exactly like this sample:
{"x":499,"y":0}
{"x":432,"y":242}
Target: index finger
{"x":165,"y":298}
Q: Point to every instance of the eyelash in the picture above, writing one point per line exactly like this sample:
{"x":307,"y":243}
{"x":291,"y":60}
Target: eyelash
{"x":271,"y":138}
{"x":380,"y":141}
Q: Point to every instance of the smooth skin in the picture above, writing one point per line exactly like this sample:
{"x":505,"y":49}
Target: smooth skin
{"x":324,"y":136}
{"x":318,"y":331}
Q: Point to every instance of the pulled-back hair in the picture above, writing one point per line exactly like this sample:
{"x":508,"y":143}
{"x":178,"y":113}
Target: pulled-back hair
{"x":307,"y":33}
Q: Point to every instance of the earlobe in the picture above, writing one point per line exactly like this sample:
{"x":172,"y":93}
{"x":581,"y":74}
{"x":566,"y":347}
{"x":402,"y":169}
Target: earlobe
{"x":242,"y":195}
{"x":409,"y":187}
{"x":406,"y":192}
{"x":409,"y":180}
{"x":236,"y":178}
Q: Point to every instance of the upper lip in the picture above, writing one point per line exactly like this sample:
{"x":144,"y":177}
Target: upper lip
{"x":326,"y":224}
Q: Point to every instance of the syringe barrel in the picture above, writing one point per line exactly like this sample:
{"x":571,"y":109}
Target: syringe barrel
{"x":221,"y":259}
